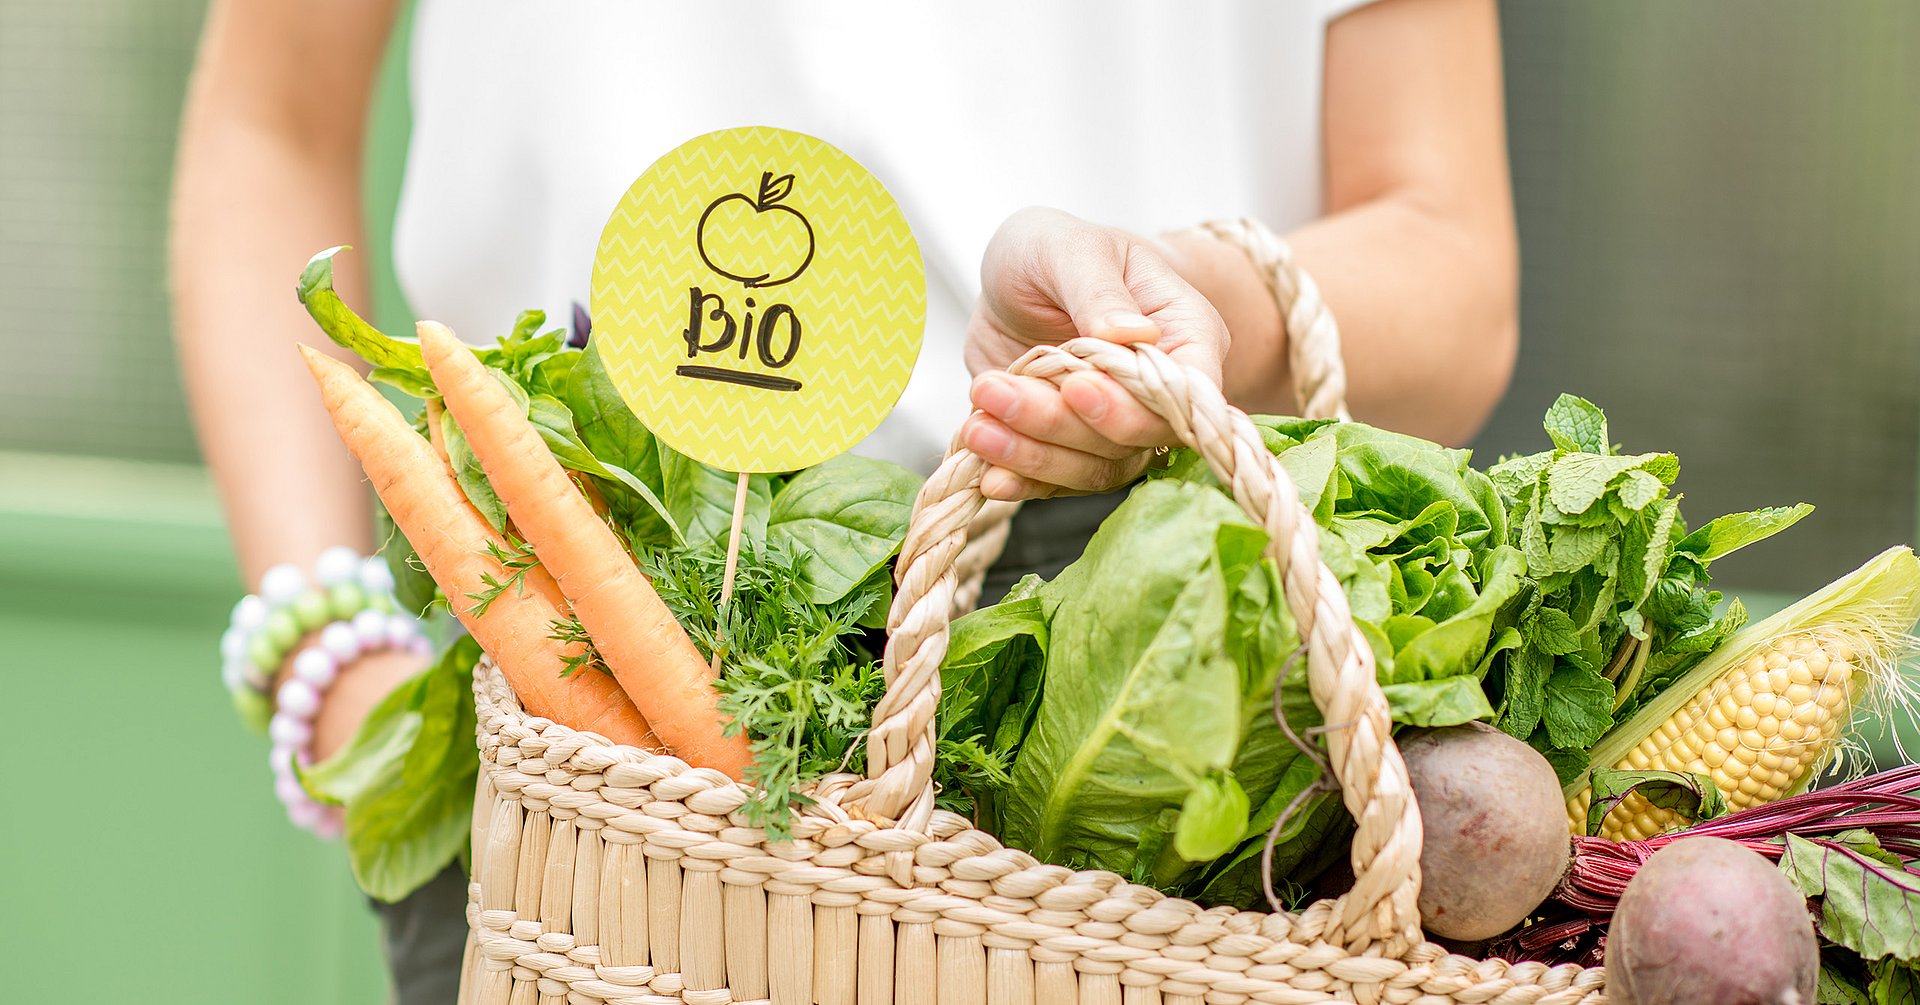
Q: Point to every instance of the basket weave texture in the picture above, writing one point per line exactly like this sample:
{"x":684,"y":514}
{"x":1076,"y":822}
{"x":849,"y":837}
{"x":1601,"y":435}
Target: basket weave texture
{"x":604,"y":873}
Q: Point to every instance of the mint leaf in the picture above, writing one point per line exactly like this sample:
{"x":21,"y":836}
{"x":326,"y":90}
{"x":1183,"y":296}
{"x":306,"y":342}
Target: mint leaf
{"x":1691,"y":795}
{"x":1866,"y":904}
{"x":1638,"y":488}
{"x":1644,"y":549}
{"x":1577,"y":481}
{"x":1577,"y":425}
{"x":1573,"y":548}
{"x":1579,"y":706}
{"x":1551,"y":631}
{"x":1725,"y":535}
{"x":1526,"y":695}
{"x":1515,"y":476}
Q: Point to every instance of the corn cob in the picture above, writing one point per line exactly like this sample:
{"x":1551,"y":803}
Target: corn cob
{"x":1758,"y":732}
{"x":1766,"y":712}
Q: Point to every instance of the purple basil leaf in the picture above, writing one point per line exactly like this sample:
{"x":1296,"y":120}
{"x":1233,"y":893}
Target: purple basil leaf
{"x":582,"y":327}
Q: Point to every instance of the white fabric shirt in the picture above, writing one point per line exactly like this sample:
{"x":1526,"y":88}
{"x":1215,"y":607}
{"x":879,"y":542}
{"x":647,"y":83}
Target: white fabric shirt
{"x":1143,"y":114}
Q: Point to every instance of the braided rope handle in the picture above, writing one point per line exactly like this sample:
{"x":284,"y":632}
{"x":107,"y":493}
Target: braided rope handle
{"x":1380,"y":910}
{"x":1313,"y":357}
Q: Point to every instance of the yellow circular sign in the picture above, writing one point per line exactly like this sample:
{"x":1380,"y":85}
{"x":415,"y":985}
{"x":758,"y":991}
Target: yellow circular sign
{"x":758,"y":299}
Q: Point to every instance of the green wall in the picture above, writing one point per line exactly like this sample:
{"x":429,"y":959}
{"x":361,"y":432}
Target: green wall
{"x":1719,"y":223}
{"x":145,"y":856}
{"x":146,"y":859}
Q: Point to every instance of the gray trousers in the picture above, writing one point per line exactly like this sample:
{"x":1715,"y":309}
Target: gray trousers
{"x":425,"y":934}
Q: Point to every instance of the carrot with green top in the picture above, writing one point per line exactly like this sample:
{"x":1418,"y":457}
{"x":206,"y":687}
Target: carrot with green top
{"x":452,"y":540}
{"x":632,"y":630}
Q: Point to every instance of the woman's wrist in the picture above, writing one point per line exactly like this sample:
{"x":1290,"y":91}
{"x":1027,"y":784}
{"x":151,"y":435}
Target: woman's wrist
{"x":323,"y":692}
{"x":1256,"y":374}
{"x":359,"y":684}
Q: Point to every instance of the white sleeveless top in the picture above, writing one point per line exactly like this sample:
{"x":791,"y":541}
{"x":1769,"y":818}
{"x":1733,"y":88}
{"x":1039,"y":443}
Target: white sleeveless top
{"x":1143,"y":114}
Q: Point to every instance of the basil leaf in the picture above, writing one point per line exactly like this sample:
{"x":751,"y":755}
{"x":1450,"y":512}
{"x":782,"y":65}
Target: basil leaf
{"x":413,"y":587}
{"x":380,"y":743}
{"x":555,"y":422}
{"x":845,"y":518}
{"x":699,"y":497}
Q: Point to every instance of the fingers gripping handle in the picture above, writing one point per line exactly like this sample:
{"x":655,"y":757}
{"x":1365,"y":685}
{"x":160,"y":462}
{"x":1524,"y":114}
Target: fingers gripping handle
{"x":1381,"y":909}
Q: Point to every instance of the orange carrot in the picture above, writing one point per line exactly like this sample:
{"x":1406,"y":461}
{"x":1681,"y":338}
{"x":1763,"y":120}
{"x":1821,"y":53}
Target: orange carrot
{"x":451,"y":538}
{"x":636,"y":636}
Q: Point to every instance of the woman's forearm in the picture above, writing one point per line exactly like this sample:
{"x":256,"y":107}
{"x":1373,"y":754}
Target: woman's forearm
{"x":1426,"y":315}
{"x":248,"y":212}
{"x":1416,"y":255}
{"x":267,"y":175}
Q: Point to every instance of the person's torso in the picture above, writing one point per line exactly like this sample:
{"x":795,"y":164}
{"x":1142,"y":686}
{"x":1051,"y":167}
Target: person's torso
{"x":530,"y":120}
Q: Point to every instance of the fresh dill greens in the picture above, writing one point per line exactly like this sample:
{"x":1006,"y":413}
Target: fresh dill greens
{"x":799,"y":677}
{"x":515,"y":559}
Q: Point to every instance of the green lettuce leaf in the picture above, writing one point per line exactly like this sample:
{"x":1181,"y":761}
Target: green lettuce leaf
{"x":1140,"y":705}
{"x":1448,"y":701}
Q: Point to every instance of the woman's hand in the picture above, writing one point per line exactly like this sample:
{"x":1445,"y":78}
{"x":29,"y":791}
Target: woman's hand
{"x":1048,"y":277}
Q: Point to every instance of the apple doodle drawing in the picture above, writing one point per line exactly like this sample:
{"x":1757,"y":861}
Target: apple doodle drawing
{"x":765,"y":259}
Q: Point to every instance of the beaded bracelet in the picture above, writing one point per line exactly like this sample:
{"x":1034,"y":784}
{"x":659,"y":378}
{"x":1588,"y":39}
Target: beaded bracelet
{"x":315,"y":669}
{"x":267,"y":625}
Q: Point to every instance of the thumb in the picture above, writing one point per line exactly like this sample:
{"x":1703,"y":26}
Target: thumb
{"x":1093,"y":292}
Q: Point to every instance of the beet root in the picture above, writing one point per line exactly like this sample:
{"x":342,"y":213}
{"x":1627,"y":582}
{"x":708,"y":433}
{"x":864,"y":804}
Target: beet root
{"x":1708,"y":922}
{"x":1495,"y":824}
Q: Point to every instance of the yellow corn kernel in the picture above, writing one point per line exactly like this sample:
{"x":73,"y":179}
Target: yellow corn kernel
{"x":1758,"y":730}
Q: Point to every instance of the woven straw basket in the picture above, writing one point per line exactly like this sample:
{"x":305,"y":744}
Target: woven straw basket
{"x":604,"y":873}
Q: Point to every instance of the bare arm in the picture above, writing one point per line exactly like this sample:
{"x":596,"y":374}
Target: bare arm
{"x":269,"y":173}
{"x":1416,"y":256}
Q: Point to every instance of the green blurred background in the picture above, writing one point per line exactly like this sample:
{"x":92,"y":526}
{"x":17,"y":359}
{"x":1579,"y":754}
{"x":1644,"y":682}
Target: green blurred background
{"x":1719,"y":208}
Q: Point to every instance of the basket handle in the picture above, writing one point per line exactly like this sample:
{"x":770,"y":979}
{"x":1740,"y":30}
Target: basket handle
{"x":1381,"y":907}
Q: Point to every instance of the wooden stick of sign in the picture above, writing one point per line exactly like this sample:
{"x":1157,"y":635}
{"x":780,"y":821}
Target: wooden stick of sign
{"x":733,"y":564}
